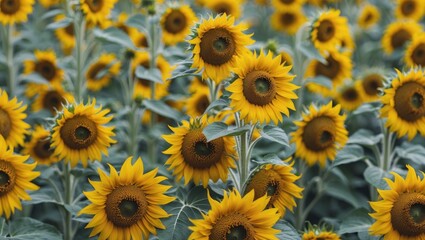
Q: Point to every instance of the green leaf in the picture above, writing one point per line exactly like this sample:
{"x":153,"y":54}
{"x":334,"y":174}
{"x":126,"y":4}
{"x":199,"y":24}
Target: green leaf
{"x":33,"y":78}
{"x":150,"y":74}
{"x":52,"y":13}
{"x":114,"y":35}
{"x":3,"y":227}
{"x":414,"y":153}
{"x":288,"y":232}
{"x":349,"y":154}
{"x":218,"y":129}
{"x":162,"y":109}
{"x":218,"y":103}
{"x":365,"y":137}
{"x":365,"y":108}
{"x":320,"y":80}
{"x":137,"y":21}
{"x":311,"y":52}
{"x":37,"y":198}
{"x":357,"y":221}
{"x":185,"y":73}
{"x":272,"y":159}
{"x":275,"y":134}
{"x":28,"y":228}
{"x":375,"y":176}
{"x":59,"y":24}
{"x":337,"y":186}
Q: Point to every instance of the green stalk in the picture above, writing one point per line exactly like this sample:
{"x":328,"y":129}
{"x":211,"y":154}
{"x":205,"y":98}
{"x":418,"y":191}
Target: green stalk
{"x":8,"y":47}
{"x":243,"y":144}
{"x":79,"y":83}
{"x":299,"y":211}
{"x":68,"y":200}
{"x":387,"y":149}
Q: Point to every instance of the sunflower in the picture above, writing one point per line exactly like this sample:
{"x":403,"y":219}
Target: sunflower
{"x":216,"y":44}
{"x":120,"y":23}
{"x":237,"y":217}
{"x":347,"y":45}
{"x":45,"y":64}
{"x":12,"y":125}
{"x":320,"y":235}
{"x":192,"y":157}
{"x":48,"y":3}
{"x":398,"y":33}
{"x":320,"y":134}
{"x":412,"y":9}
{"x":371,"y":83}
{"x":229,"y":7}
{"x":107,"y":66}
{"x":404,"y":104}
{"x":15,"y":179}
{"x":127,"y":205}
{"x":328,"y":30}
{"x":176,"y":24}
{"x":286,"y":58}
{"x":277,"y":182}
{"x":399,"y":213}
{"x":198,"y":102}
{"x":80,"y":134}
{"x":349,"y":96}
{"x":337,"y":68}
{"x":280,"y":4}
{"x":369,"y":16}
{"x":66,"y":35}
{"x":415,"y":52}
{"x":197,"y":84}
{"x":51,"y":98}
{"x":139,"y":40}
{"x":97,"y":11}
{"x":263,"y":88}
{"x":15,"y":11}
{"x":39,"y":147}
{"x":142,"y":87}
{"x":288,"y":19}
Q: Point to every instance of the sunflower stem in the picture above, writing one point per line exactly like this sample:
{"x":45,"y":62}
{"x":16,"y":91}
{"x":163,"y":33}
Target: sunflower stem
{"x":79,"y":83}
{"x":8,"y":47}
{"x":386,"y":149}
{"x":299,"y":211}
{"x":68,"y":200}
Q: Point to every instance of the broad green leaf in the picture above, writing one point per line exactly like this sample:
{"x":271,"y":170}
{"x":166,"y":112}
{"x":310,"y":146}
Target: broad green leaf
{"x":150,"y":74}
{"x":311,"y":52}
{"x":218,"y":103}
{"x":337,"y":186}
{"x":275,"y":134}
{"x":270,"y":158}
{"x":185,"y":73}
{"x":162,"y":109}
{"x":137,"y":21}
{"x":3,"y":227}
{"x":412,"y":152}
{"x":288,"y":232}
{"x":320,"y":80}
{"x":52,"y":13}
{"x":114,"y":35}
{"x":28,"y":228}
{"x":33,"y":78}
{"x":59,"y":24}
{"x":349,"y":154}
{"x":365,"y":137}
{"x":357,"y":221}
{"x":375,"y":176}
{"x":365,"y":108}
{"x":218,"y":129}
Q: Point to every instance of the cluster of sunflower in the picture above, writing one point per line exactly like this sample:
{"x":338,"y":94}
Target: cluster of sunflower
{"x":265,"y":119}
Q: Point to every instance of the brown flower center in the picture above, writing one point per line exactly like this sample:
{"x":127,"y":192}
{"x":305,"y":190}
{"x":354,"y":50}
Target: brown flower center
{"x":95,"y":5}
{"x":142,"y":42}
{"x":78,"y":132}
{"x":217,"y":46}
{"x":368,"y":17}
{"x":10,"y":7}
{"x":409,"y":101}
{"x":408,"y":7}
{"x":408,"y":214}
{"x":265,"y":182}
{"x":7,"y":177}
{"x":325,"y":31}
{"x":42,"y":148}
{"x":222,"y":8}
{"x":46,"y":69}
{"x":418,"y":55}
{"x":95,"y":70}
{"x":53,"y":101}
{"x":175,"y":22}
{"x":399,"y":38}
{"x":330,"y":70}
{"x":287,"y":18}
{"x":70,"y":29}
{"x":202,"y":104}
{"x":234,"y":226}
{"x":259,"y":88}
{"x":319,"y":134}
{"x":198,"y":153}
{"x":287,"y":1}
{"x":5,"y":123}
{"x":126,"y":205}
{"x":350,"y":94}
{"x":372,"y":83}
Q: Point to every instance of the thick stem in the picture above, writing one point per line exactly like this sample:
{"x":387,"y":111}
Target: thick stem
{"x":79,"y":83}
{"x":299,"y":211}
{"x":11,"y":81}
{"x":134,"y":121}
{"x":68,"y":200}
{"x":387,"y":149}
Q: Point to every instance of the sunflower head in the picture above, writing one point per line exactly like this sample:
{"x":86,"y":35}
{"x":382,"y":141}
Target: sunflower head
{"x":415,"y":53}
{"x":349,"y":96}
{"x":198,"y":102}
{"x":411,"y":9}
{"x":229,"y":7}
{"x":288,"y":19}
{"x":100,"y":73}
{"x":193,"y":158}
{"x":51,"y":98}
{"x":237,"y":217}
{"x":404,"y":104}
{"x":216,"y":44}
{"x":45,"y":64}
{"x":97,"y":11}
{"x":277,"y":182}
{"x":400,"y":212}
{"x":371,"y":84}
{"x":15,"y":11}
{"x":39,"y":147}
{"x":65,"y":35}
{"x":399,"y":33}
{"x":176,"y":23}
{"x":320,"y":134}
{"x":128,"y":203}
{"x":315,"y":232}
{"x":369,"y":16}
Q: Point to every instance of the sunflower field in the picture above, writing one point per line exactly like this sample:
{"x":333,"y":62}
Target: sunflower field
{"x":212,"y":119}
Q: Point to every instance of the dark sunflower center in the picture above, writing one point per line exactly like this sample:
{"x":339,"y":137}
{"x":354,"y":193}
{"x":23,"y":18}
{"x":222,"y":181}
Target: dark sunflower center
{"x":70,"y":29}
{"x":79,"y":132}
{"x":234,"y":226}
{"x":42,"y":148}
{"x":368,"y":17}
{"x":287,"y":1}
{"x":330,"y":70}
{"x":95,"y":5}
{"x":287,"y":19}
{"x":418,"y":55}
{"x":259,"y":88}
{"x":350,"y":94}
{"x":223,"y":8}
{"x":372,"y":83}
{"x":325,"y":31}
{"x":10,"y":7}
{"x":409,"y":101}
{"x":408,"y":214}
{"x":265,"y":182}
{"x":319,"y":134}
{"x":175,"y":22}
{"x":142,"y":42}
{"x":217,"y":46}
{"x":202,"y":104}
{"x":408,"y":7}
{"x":53,"y":101}
{"x":126,"y":205}
{"x":399,"y":38}
{"x":46,"y":69}
{"x":198,"y":153}
{"x":5,"y":123}
{"x":272,"y":188}
{"x":7,"y":177}
{"x":95,"y":69}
